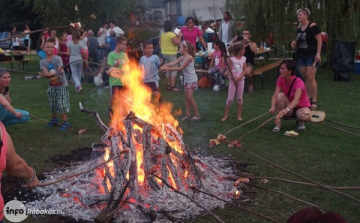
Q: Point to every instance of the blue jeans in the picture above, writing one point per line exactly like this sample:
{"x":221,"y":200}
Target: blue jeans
{"x":8,"y":118}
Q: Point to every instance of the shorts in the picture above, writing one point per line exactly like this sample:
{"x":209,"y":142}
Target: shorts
{"x":191,"y":85}
{"x":59,"y":100}
{"x":117,"y":88}
{"x":248,"y":64}
{"x":152,"y":86}
{"x":307,"y":60}
{"x":295,"y":110}
{"x":85,"y":53}
{"x":26,"y":42}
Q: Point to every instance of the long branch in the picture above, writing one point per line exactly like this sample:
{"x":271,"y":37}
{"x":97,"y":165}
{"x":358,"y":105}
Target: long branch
{"x":246,"y":123}
{"x":195,"y":202}
{"x":299,"y":182}
{"x":241,"y":208}
{"x":298,"y":175}
{"x":76,"y":174}
{"x":285,"y":194}
{"x":257,"y":127}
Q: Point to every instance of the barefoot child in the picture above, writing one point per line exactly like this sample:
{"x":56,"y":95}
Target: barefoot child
{"x":52,"y":67}
{"x":151,"y":65}
{"x":190,"y":77}
{"x":237,"y":65}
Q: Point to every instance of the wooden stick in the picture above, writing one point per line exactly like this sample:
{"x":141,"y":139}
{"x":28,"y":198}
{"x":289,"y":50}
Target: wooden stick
{"x":298,"y":175}
{"x":256,"y":128}
{"x":246,"y":123}
{"x":76,"y":174}
{"x":287,"y":195}
{"x":195,"y":202}
{"x":241,"y":208}
{"x":298,"y":182}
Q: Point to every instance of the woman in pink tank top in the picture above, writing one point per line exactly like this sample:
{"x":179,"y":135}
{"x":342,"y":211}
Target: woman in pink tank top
{"x":13,"y":165}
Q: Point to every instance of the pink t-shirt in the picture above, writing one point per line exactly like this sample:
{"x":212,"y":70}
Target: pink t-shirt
{"x":190,"y":35}
{"x":3,"y":157}
{"x":238,"y":66}
{"x":285,"y":87}
{"x":217,"y":59}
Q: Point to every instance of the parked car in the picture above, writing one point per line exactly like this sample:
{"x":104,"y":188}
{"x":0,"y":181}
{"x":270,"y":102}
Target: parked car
{"x":7,"y":43}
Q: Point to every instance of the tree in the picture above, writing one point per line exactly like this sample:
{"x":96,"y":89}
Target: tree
{"x":340,"y":18}
{"x":62,"y":12}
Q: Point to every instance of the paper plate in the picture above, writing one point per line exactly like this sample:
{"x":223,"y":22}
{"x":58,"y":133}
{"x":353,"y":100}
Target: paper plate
{"x":115,"y":72}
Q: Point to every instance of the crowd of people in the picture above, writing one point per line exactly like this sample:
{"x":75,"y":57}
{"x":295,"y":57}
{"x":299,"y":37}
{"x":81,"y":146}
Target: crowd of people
{"x":233,"y":58}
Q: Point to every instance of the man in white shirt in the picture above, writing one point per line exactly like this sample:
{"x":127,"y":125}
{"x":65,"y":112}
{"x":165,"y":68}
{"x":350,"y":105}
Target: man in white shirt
{"x":101,"y":34}
{"x":227,"y":28}
{"x":117,"y":30}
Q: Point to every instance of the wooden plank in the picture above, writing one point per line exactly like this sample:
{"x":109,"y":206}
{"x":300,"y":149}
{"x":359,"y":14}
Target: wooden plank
{"x":262,"y":69}
{"x":201,"y":71}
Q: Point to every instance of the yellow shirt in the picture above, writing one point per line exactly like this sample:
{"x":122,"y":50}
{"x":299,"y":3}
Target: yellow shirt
{"x":167,"y":46}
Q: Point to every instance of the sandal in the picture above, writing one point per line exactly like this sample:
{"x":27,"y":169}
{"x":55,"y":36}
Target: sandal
{"x":276,"y":129}
{"x":174,"y":89}
{"x":300,"y":126}
{"x":314,"y":105}
{"x":186,"y":117}
{"x":196,"y":117}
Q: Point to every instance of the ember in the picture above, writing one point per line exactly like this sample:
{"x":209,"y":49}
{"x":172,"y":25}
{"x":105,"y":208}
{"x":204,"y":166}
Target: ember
{"x":143,"y":154}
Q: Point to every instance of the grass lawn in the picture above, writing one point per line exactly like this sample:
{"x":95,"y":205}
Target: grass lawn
{"x":320,"y":153}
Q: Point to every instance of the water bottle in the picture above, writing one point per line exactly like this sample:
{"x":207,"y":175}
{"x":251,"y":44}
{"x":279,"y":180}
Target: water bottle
{"x":181,"y":80}
{"x":264,"y":45}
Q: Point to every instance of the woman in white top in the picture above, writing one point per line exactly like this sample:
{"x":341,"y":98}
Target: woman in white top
{"x":101,"y":34}
{"x":27,"y":38}
{"x":15,"y":40}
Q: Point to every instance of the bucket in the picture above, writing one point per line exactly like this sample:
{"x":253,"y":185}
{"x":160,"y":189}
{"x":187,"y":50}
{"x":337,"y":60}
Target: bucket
{"x":357,"y":67}
{"x":180,"y":20}
{"x":198,"y":60}
{"x":209,"y":46}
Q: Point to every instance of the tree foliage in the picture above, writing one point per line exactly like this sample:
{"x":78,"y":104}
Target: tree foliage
{"x":61,"y":12}
{"x":340,"y":18}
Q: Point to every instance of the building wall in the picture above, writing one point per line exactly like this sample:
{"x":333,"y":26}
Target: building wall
{"x":188,"y":6}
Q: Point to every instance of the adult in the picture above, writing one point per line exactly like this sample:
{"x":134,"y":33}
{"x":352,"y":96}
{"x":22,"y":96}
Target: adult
{"x":101,"y":34}
{"x":169,"y":43}
{"x":9,"y":115}
{"x":190,"y":32}
{"x":290,"y":98}
{"x":13,"y":165}
{"x":27,"y":38}
{"x":15,"y":40}
{"x":308,"y":48}
{"x":227,"y":29}
{"x":203,"y":29}
{"x":250,"y":50}
{"x":92,"y":46}
{"x":56,"y":43}
{"x":116,"y":29}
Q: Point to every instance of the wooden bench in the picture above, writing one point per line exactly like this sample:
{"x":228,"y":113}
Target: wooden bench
{"x":23,"y":62}
{"x":259,"y":71}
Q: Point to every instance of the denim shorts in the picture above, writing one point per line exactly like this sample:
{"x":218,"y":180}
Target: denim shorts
{"x":307,"y":60}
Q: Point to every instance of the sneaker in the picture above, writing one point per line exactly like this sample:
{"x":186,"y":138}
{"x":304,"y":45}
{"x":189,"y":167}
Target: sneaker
{"x":53,"y":122}
{"x":65,"y":125}
{"x":77,"y":89}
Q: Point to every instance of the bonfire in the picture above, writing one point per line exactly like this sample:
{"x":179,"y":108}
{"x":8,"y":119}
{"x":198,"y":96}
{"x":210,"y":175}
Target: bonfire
{"x":145,"y":172}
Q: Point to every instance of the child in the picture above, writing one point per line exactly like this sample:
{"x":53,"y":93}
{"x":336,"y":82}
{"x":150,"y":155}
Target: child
{"x":190,"y":77}
{"x":151,"y":63}
{"x":237,"y":65}
{"x":218,"y":60}
{"x":52,"y":67}
{"x":64,"y":53}
{"x":75,"y":46}
{"x":117,"y":58}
